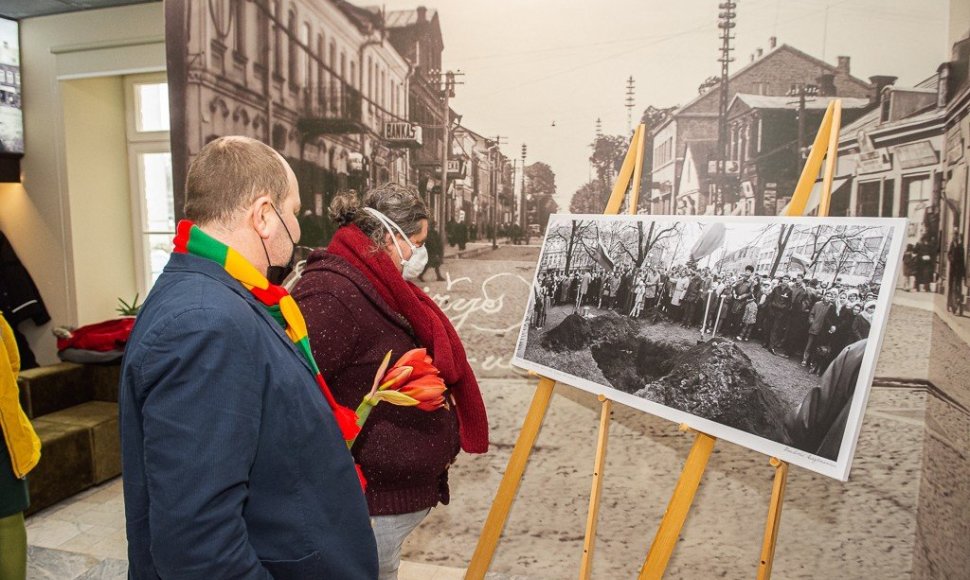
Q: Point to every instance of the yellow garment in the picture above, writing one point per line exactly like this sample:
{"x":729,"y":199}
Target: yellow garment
{"x":22,"y":442}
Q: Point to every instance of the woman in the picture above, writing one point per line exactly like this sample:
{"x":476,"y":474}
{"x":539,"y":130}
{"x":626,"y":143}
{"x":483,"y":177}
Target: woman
{"x":358,"y":305}
{"x":19,"y":453}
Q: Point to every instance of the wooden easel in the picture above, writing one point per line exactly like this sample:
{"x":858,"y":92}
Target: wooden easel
{"x":825,"y":148}
{"x":629,"y":176}
{"x":679,"y":506}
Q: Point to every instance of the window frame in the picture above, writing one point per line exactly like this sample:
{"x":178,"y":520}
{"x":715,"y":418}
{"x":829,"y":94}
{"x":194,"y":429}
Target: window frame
{"x":139,"y":143}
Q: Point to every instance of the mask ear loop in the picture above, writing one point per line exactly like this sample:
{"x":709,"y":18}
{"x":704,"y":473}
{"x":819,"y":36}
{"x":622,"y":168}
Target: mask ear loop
{"x":386,"y":222}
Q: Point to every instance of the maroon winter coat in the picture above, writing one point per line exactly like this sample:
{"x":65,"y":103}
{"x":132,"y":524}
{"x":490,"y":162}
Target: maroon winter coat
{"x":404,"y":452}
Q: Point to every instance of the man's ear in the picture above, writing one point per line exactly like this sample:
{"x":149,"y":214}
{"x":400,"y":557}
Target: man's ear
{"x":259,"y":215}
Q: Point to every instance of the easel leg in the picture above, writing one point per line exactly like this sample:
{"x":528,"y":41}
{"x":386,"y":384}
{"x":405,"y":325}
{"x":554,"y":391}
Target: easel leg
{"x":673,"y":520}
{"x":586,"y":568}
{"x":499,"y":513}
{"x":774,"y":519}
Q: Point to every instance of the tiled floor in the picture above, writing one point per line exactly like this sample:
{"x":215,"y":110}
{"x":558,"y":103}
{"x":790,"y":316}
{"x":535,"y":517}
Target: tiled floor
{"x":83,"y":538}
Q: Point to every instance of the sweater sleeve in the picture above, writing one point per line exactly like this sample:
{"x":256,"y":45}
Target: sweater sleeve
{"x":333,"y":331}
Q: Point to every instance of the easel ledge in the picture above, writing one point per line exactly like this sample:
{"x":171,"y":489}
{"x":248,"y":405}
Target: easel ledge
{"x":825,"y":148}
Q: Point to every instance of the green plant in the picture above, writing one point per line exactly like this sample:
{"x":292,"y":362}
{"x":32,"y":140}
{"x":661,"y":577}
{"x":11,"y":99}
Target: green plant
{"x":126,"y":309}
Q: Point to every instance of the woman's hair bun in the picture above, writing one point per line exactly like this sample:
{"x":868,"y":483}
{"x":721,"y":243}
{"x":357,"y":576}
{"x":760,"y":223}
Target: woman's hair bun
{"x":345,"y":208}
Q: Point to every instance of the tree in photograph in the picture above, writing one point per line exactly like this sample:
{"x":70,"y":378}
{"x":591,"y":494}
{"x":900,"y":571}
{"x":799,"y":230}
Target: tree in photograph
{"x":653,"y":117}
{"x":607,"y":158}
{"x":708,"y":84}
{"x":822,"y":237}
{"x":589,"y":198}
{"x":540,"y":179}
{"x":540,"y":187}
{"x":647,"y":239}
{"x":784,"y":234}
{"x":852,"y":249}
{"x":571,"y":237}
{"x":545,"y":206}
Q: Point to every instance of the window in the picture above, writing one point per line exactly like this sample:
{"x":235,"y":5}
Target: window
{"x":868,"y":202}
{"x":151,"y":107}
{"x":241,"y":28}
{"x":370,"y":79}
{"x":277,"y":41}
{"x":291,"y":53}
{"x":262,"y":34}
{"x":306,"y":74}
{"x":150,"y":171}
{"x":888,"y":193}
{"x":333,"y":57}
{"x":321,"y":74}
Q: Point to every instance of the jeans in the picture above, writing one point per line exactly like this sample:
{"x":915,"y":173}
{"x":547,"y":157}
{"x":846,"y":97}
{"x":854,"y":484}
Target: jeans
{"x":390,"y":533}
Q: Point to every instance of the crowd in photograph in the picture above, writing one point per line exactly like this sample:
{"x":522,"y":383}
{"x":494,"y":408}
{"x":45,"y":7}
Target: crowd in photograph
{"x":790,"y":315}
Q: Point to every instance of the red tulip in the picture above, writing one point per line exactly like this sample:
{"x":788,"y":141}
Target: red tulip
{"x":413,"y":381}
{"x":428,"y":391}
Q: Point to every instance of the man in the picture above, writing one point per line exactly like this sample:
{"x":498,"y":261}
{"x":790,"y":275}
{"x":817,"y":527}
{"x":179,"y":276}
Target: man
{"x":802,"y":303}
{"x":821,"y":325}
{"x":818,"y":424}
{"x":692,"y":298}
{"x":957,"y":271}
{"x":436,"y":254}
{"x":233,"y":463}
{"x":780,"y":303}
{"x":743,"y":289}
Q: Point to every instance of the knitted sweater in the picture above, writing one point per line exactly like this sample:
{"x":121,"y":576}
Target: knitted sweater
{"x":404,"y":452}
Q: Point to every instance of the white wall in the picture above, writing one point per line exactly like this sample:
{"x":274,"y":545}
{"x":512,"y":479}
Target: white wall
{"x":36,"y":216}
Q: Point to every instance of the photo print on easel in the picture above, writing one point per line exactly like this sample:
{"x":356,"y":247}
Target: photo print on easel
{"x":763,"y":331}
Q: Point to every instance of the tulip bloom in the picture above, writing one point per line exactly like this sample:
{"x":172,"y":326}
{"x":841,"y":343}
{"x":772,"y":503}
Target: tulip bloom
{"x":412,"y":381}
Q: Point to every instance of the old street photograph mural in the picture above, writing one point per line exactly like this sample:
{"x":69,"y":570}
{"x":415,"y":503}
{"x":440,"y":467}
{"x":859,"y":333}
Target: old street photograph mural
{"x":760,"y":331}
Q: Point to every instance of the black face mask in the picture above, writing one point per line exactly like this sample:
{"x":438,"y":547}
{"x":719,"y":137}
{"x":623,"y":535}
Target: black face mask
{"x":277,"y":274}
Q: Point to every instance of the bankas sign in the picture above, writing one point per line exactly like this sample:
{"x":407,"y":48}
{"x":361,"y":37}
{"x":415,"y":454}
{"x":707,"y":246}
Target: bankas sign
{"x":402,"y":134}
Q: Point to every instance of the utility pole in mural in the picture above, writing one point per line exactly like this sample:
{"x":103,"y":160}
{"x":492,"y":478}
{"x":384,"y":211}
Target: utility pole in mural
{"x":629,"y":103}
{"x":726,"y":24}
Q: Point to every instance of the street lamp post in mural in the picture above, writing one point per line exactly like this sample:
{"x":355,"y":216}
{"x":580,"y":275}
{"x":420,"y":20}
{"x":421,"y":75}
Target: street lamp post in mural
{"x":447,"y":91}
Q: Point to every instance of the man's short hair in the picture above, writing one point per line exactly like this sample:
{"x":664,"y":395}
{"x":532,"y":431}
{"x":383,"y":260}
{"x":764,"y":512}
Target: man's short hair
{"x":749,"y":268}
{"x":229,"y":173}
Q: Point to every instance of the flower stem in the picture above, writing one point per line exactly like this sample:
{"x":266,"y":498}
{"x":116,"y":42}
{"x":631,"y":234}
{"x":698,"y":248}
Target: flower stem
{"x":363,"y":411}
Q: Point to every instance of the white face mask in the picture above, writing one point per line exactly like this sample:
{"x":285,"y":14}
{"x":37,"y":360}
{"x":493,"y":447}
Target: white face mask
{"x":413,"y":266}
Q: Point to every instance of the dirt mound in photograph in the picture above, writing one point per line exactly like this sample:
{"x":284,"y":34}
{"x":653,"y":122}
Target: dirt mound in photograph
{"x":717,"y":381}
{"x":573,"y":333}
{"x":576,"y":332}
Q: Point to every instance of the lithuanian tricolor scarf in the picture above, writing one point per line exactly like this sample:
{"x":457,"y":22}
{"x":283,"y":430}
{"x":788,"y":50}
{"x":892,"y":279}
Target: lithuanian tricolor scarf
{"x":189,"y":239}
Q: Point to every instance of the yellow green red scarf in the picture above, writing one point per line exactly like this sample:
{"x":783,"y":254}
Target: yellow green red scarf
{"x":189,"y":239}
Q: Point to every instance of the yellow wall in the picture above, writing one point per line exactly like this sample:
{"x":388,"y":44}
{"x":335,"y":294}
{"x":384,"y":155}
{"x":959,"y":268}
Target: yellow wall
{"x":48,"y":219}
{"x":97,"y":173}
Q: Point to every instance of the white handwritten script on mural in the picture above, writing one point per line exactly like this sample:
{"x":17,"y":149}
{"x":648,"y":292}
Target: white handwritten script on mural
{"x":486,"y":309}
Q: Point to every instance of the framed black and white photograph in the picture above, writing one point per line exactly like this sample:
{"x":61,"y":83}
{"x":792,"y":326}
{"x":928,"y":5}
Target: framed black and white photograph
{"x":763,"y":331}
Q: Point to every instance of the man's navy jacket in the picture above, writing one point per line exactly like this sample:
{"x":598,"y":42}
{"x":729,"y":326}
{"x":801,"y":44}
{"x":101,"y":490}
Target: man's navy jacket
{"x":233,"y":464}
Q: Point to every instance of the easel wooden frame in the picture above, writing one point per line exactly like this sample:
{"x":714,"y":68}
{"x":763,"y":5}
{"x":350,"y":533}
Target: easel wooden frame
{"x":825,"y":147}
{"x":628,"y":177}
